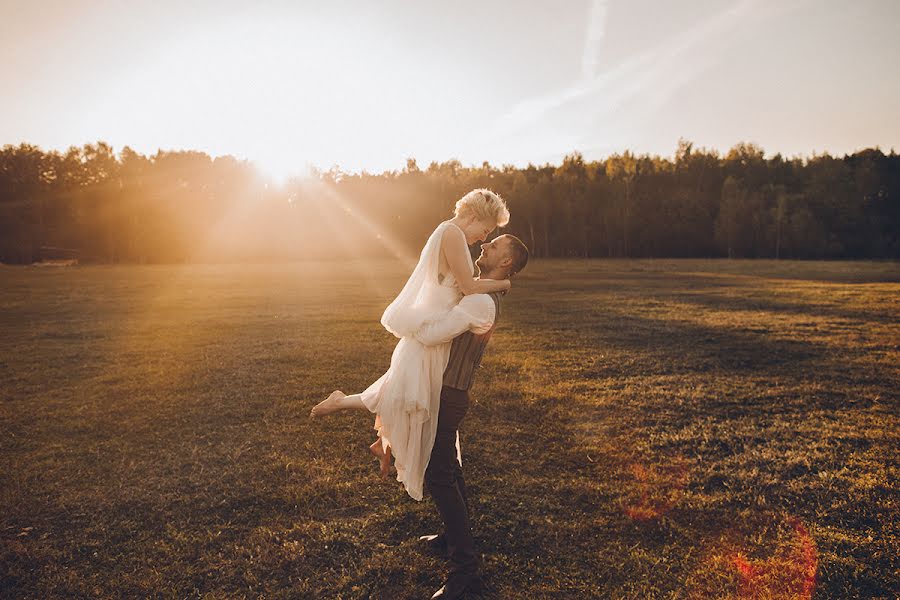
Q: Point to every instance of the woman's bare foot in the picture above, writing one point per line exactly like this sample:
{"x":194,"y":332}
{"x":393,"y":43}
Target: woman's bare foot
{"x":384,"y":458}
{"x":328,"y":405}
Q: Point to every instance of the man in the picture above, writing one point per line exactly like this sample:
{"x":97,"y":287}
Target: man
{"x":469,"y":325}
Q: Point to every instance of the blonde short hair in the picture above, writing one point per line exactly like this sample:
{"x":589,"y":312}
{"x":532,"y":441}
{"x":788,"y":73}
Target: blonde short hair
{"x":484,"y":205}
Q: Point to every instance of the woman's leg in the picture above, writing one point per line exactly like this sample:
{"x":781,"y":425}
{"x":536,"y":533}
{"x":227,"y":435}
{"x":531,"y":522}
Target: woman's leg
{"x":337,"y":401}
{"x":384,"y":457}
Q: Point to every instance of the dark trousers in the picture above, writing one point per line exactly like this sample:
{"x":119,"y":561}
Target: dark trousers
{"x":444,"y":482}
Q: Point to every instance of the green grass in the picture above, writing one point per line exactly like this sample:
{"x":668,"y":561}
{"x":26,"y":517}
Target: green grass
{"x":642,"y":429}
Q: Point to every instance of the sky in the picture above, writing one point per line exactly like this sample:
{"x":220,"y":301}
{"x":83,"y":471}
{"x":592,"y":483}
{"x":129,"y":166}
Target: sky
{"x":366,"y":85}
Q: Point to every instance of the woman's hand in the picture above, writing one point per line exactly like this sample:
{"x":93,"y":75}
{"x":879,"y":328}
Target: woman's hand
{"x":507,"y":285}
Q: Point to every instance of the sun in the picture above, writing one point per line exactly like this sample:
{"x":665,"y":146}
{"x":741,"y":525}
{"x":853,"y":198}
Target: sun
{"x":278,"y":167}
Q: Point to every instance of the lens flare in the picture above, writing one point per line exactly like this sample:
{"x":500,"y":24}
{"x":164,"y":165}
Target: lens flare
{"x":730,"y":572}
{"x":790,"y":573}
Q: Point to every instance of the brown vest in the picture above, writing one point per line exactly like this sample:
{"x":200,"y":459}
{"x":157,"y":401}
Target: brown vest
{"x":466,"y":353}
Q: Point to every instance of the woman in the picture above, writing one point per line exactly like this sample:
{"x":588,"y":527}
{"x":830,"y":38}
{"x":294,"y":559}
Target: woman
{"x":406,"y":398}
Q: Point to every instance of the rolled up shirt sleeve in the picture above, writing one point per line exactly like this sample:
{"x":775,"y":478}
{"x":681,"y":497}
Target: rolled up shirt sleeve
{"x":474,"y":313}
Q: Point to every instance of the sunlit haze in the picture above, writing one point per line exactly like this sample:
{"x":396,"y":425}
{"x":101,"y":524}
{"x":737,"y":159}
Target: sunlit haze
{"x":366,"y":85}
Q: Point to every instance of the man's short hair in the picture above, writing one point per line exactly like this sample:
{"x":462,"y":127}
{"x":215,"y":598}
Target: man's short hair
{"x":518,"y":252}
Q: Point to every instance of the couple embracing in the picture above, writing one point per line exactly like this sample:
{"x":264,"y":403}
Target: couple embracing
{"x":444,"y":316}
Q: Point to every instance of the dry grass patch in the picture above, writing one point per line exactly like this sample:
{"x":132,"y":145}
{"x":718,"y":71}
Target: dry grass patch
{"x":642,"y":429}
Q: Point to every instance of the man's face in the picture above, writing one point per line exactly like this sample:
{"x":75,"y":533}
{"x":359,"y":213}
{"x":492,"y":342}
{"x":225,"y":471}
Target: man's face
{"x":492,"y":253}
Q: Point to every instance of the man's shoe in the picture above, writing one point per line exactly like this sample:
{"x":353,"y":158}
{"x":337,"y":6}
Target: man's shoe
{"x":435,"y":544}
{"x":458,"y":586}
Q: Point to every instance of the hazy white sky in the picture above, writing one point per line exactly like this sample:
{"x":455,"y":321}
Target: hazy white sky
{"x":365,"y":85}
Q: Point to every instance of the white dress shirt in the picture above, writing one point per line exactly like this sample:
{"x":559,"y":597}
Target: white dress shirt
{"x":475,"y":313}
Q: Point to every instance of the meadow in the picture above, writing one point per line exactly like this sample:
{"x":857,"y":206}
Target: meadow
{"x":640,"y":429}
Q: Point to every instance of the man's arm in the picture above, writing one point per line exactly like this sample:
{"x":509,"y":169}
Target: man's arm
{"x":474,"y":313}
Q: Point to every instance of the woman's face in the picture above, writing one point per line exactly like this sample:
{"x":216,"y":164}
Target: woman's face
{"x":477,"y":231}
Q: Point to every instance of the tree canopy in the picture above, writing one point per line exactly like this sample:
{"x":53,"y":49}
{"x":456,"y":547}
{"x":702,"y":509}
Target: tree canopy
{"x":173,"y":206}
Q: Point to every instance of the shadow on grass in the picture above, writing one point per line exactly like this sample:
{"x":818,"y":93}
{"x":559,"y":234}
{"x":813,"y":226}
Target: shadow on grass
{"x":643,"y":345}
{"x":745,"y":303}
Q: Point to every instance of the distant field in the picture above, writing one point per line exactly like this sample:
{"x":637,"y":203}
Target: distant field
{"x":643,"y":429}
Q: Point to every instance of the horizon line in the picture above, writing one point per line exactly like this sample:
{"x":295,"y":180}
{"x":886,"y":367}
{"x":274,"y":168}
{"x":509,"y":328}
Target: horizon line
{"x":310,"y":168}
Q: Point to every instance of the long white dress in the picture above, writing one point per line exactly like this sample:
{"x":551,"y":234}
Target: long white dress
{"x":407,"y":397}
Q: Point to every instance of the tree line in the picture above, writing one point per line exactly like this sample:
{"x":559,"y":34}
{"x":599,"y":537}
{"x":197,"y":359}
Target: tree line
{"x":95,"y":205}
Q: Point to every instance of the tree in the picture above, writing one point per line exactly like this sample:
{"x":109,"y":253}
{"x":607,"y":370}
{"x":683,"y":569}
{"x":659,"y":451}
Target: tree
{"x":176,"y":206}
{"x":623,"y":168}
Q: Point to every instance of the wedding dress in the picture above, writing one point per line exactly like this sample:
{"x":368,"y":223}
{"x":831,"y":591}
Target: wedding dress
{"x":407,"y":397}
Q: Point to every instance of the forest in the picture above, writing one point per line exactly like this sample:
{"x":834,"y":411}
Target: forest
{"x":92,"y":204}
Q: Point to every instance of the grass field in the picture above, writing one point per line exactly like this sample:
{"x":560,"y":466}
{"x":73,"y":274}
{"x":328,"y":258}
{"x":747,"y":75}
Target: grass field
{"x":642,"y":429}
